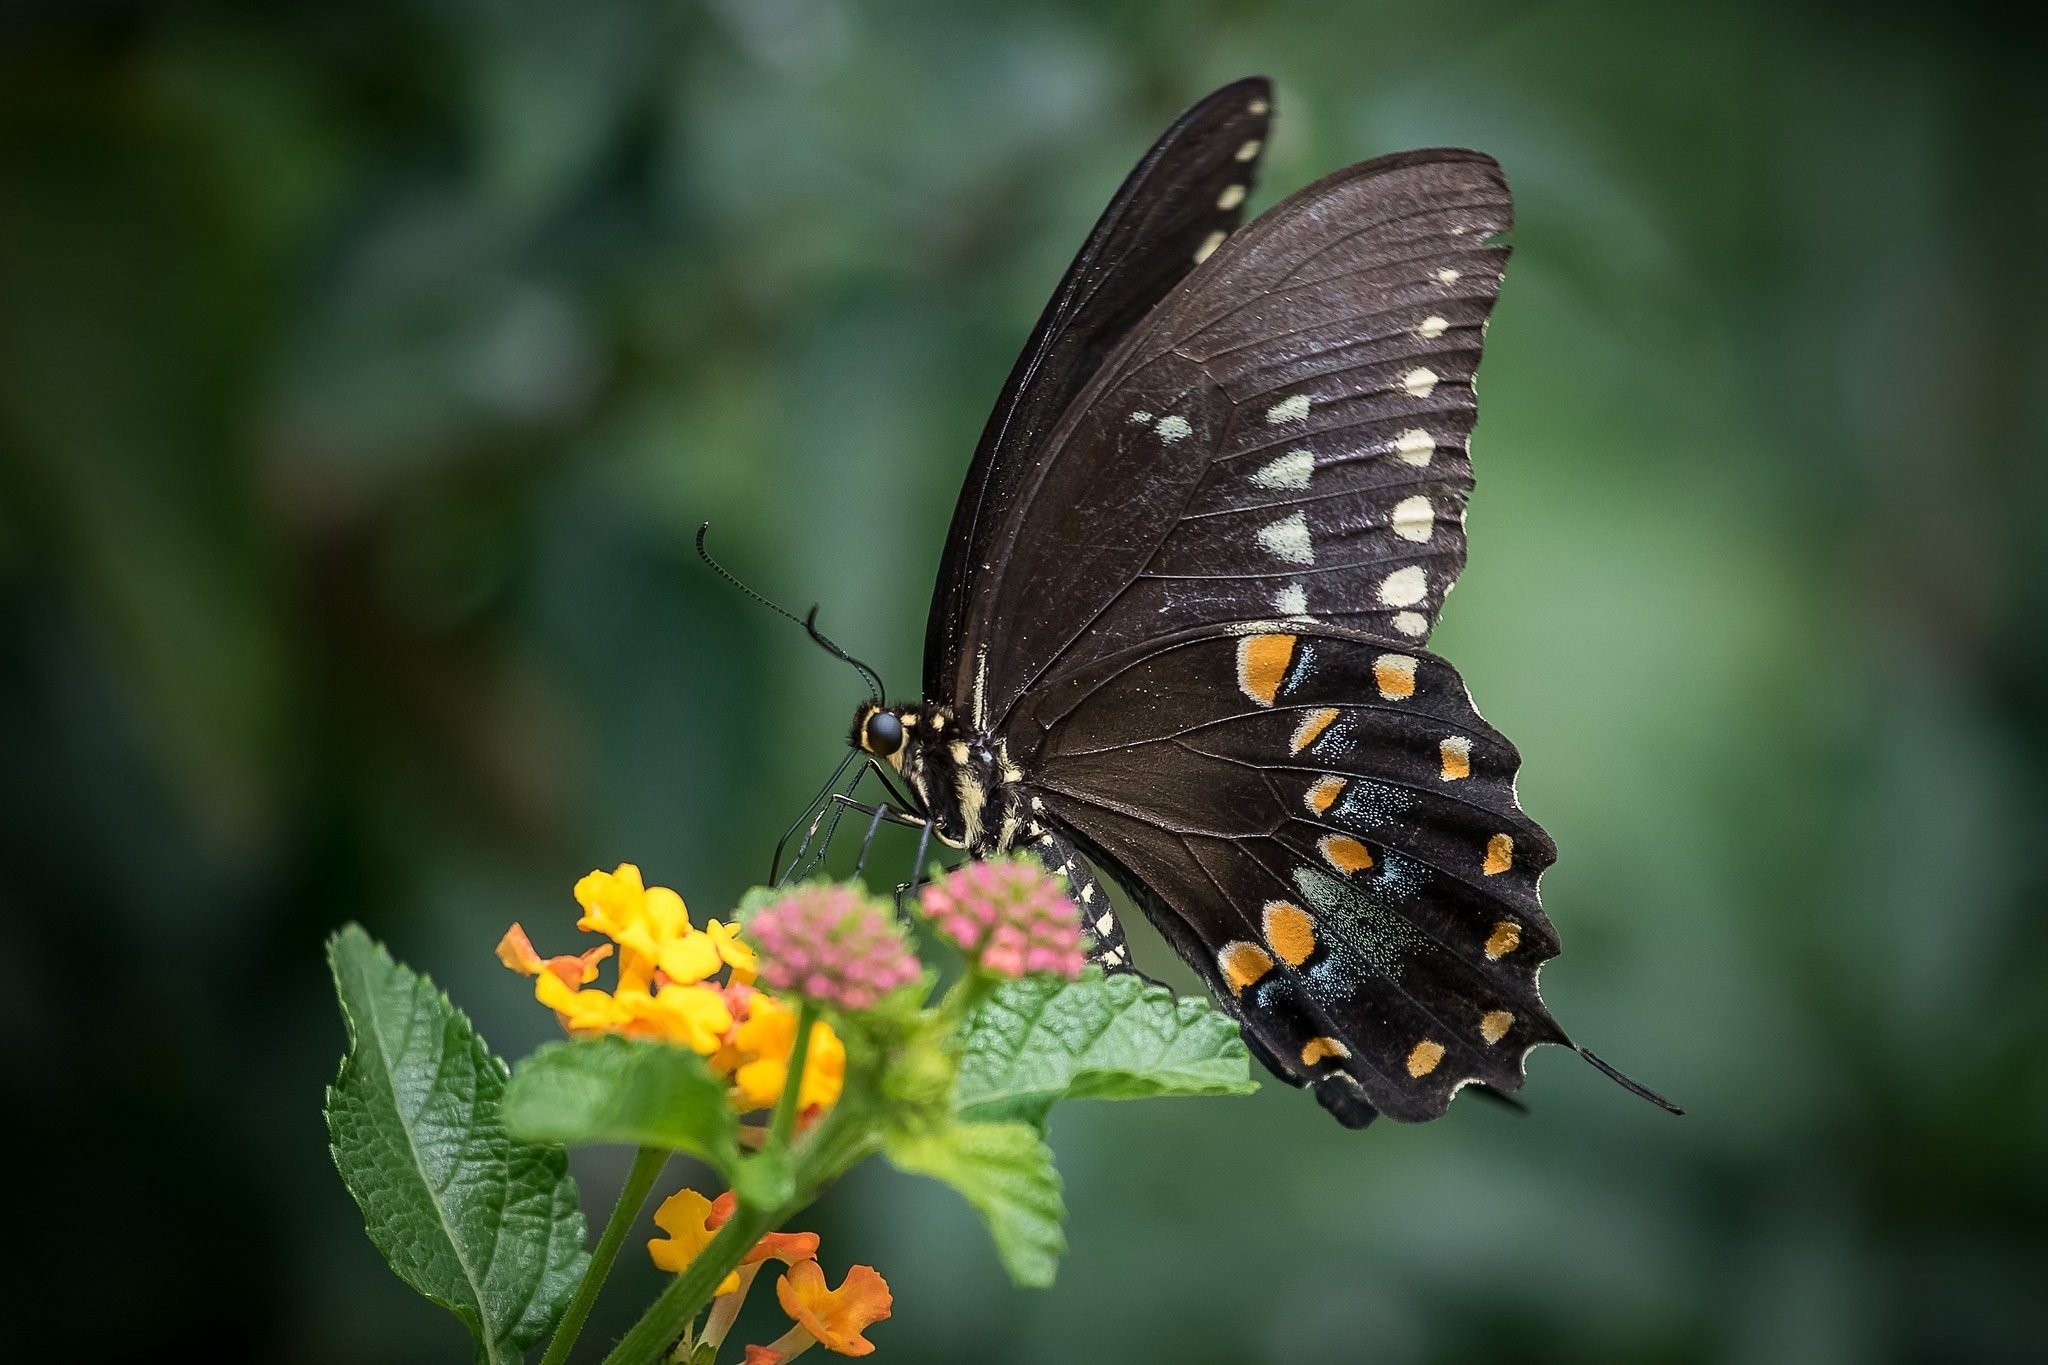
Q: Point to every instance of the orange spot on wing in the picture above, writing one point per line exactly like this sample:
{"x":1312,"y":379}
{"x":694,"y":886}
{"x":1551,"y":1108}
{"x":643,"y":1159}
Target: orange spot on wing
{"x":1290,"y":931}
{"x":1424,"y":1058}
{"x":1312,"y":726}
{"x":1394,"y":675}
{"x":1324,"y":794}
{"x":1494,"y":1026}
{"x":1500,"y":855}
{"x":1505,"y":938}
{"x":1262,"y":662}
{"x":1456,"y":754}
{"x":1316,"y":1049}
{"x":1243,"y":965}
{"x":1344,"y":853}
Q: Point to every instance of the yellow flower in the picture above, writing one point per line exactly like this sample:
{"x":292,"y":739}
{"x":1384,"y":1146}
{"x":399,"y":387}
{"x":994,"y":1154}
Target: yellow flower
{"x":686,"y":1217}
{"x":760,"y":1049}
{"x":695,"y":1017}
{"x":739,"y":956}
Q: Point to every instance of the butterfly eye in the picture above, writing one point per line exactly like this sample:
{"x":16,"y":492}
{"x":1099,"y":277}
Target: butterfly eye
{"x":883,"y":734}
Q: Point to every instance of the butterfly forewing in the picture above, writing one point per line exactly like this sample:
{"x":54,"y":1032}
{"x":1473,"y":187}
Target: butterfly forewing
{"x":1182,"y":200}
{"x":1284,"y":436}
{"x":1334,"y":831}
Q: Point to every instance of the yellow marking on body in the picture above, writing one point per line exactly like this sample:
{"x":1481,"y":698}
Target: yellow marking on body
{"x":1494,"y":1026}
{"x":1311,"y":728}
{"x":1290,"y":931}
{"x":1345,"y":853}
{"x":1456,"y":753}
{"x":1424,"y":1057}
{"x":1243,"y":965}
{"x":1394,"y":675}
{"x":1318,"y":1049}
{"x":1262,"y":662}
{"x":1505,"y":938}
{"x":1325,"y":792}
{"x":1500,"y":855}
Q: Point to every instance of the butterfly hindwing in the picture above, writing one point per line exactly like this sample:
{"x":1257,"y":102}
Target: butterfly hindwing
{"x":1333,"y":834}
{"x":1284,"y":436}
{"x":1179,"y":203}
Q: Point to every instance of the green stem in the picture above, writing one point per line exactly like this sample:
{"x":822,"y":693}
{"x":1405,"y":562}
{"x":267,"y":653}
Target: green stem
{"x":647,"y":1164}
{"x":784,"y":1122}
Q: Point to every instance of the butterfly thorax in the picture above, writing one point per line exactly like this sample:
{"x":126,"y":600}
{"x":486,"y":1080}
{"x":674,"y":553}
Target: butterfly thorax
{"x":969,"y":788}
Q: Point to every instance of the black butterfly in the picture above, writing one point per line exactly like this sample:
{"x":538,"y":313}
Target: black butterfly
{"x":1179,"y":626}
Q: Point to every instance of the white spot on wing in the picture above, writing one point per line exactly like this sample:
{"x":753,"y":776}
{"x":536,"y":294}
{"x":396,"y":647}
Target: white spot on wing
{"x":1141,"y":418}
{"x":1420,"y":381}
{"x":1209,"y":245}
{"x":1291,"y":600}
{"x":1291,"y":470}
{"x":1288,"y":410}
{"x":1171,"y":429}
{"x":1403,"y":587}
{"x":1411,"y":623}
{"x":1249,"y":150}
{"x":1432,"y":327}
{"x":1448,"y":275}
{"x":1288,"y":539}
{"x":1414,"y":519}
{"x":1415,"y":446}
{"x":1231,"y":197}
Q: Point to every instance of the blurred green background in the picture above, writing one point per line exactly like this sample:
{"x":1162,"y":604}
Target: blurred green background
{"x":365,"y":369}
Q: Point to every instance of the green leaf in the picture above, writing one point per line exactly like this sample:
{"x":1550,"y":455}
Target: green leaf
{"x":636,"y":1091}
{"x":1005,"y":1171}
{"x":483,"y":1225}
{"x":1039,"y":1040}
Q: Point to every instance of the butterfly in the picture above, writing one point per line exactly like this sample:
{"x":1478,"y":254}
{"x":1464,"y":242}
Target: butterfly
{"x":1181,"y":623}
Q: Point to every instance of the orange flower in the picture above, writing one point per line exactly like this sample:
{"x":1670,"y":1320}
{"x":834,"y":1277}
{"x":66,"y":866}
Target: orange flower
{"x":764,"y":1355}
{"x":686,"y":1216}
{"x":835,"y":1318}
{"x":759,"y":1057}
{"x":516,"y":951}
{"x":786,"y":1247}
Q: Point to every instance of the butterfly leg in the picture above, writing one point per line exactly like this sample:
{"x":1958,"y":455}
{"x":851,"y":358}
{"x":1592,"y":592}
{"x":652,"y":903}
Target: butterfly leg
{"x":1107,"y":948}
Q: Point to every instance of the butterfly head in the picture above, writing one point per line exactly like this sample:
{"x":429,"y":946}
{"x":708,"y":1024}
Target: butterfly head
{"x":882,"y":731}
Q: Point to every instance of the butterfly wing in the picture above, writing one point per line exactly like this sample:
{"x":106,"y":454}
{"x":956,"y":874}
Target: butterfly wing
{"x":1285,"y":435}
{"x":1327,"y":830}
{"x":1180,"y":202}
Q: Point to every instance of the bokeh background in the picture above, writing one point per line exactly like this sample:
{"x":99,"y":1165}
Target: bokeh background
{"x":365,"y":370}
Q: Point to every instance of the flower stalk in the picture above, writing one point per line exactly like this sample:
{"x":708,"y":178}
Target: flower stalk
{"x":646,"y":1169}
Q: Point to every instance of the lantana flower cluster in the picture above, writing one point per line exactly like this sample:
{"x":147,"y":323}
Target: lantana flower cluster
{"x":821,"y":1316}
{"x":1009,"y":916}
{"x":669,"y":987}
{"x":833,"y":945}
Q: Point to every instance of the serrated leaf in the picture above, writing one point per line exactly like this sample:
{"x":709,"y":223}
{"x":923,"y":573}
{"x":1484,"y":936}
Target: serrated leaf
{"x":486,"y":1226}
{"x":636,"y":1091}
{"x":1005,"y":1171}
{"x":1039,"y":1040}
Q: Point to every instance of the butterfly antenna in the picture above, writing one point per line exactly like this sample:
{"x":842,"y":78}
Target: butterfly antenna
{"x":808,"y":622}
{"x":1633,"y":1087}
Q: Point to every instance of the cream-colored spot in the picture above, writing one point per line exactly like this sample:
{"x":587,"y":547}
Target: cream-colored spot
{"x":1243,"y":965}
{"x":1424,"y":1057}
{"x":1414,"y":519}
{"x":1432,"y":327}
{"x":1209,"y":245}
{"x":1292,"y":470}
{"x":1141,"y":418}
{"x":1420,"y":382}
{"x":1232,"y":196}
{"x":1344,"y":853}
{"x":1411,"y":623}
{"x":1404,"y":587}
{"x":1290,"y":931}
{"x":1287,"y":539}
{"x":1258,"y":106}
{"x":1249,"y":150}
{"x":1500,"y":855}
{"x":1262,"y":664}
{"x":1171,"y":429}
{"x":1415,"y":446}
{"x":1505,"y":938}
{"x":1316,"y":1049}
{"x":1448,"y":276}
{"x":1494,"y":1026}
{"x":1394,"y":675}
{"x":1288,"y":410}
{"x":1324,"y":793}
{"x":1459,"y":230}
{"x":1291,"y":600}
{"x":1311,"y":728}
{"x":1456,"y":753}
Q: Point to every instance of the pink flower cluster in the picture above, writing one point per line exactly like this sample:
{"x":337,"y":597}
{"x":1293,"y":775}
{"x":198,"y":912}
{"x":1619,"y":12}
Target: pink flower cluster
{"x":1010,"y":915}
{"x":834,"y":945}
